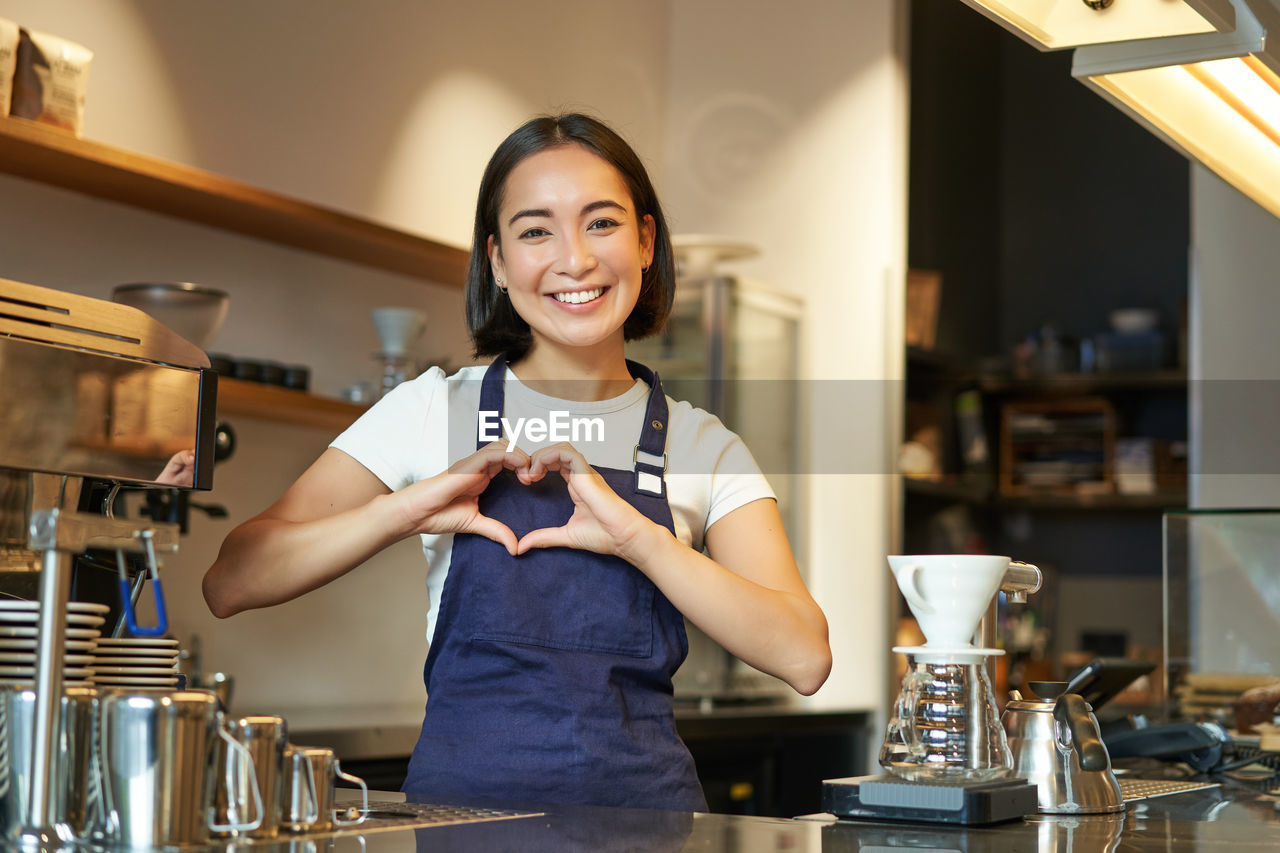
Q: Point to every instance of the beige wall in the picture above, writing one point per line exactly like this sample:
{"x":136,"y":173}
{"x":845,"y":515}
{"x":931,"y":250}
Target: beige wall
{"x":783,"y":124}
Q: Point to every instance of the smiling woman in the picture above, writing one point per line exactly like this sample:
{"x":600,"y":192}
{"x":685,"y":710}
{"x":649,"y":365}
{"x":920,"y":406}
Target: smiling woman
{"x":560,"y":572}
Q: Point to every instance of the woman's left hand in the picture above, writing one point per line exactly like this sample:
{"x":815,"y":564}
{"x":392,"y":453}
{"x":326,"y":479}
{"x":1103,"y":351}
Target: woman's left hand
{"x":602,"y":521}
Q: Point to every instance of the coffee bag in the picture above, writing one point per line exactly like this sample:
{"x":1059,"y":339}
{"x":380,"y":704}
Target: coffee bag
{"x":50,"y":80}
{"x":8,"y":59}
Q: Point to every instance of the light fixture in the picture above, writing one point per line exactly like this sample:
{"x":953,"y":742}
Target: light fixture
{"x":1215,"y":97}
{"x":1055,"y":24}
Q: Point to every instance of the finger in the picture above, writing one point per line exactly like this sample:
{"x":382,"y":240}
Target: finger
{"x":489,"y":460}
{"x":544,"y":537}
{"x":557,"y":457}
{"x":497,"y":531}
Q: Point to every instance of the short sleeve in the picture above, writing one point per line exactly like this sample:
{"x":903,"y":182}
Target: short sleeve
{"x":736,"y":482}
{"x":401,"y":438}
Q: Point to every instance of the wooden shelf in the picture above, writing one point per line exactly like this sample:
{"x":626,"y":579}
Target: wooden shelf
{"x":956,"y":492}
{"x":947,"y":490}
{"x":1113,"y":501}
{"x":35,"y":152}
{"x":1071,"y":384}
{"x":281,"y":405}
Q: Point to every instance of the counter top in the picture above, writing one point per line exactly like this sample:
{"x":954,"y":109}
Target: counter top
{"x":1235,"y":817}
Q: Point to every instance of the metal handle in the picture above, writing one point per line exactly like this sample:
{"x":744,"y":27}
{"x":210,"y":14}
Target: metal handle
{"x":313,"y":811}
{"x":157,"y":592}
{"x":364,"y":789}
{"x":247,"y":767}
{"x":1073,"y":712}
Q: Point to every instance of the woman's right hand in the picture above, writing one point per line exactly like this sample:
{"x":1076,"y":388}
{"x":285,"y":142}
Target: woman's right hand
{"x":449,"y":502}
{"x":337,"y":515}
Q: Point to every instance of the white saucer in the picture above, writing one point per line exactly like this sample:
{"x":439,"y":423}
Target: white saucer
{"x":72,"y":606}
{"x":11,"y":658}
{"x":29,"y":617}
{"x":8,"y":644}
{"x":100,"y":660}
{"x":28,"y":672}
{"x":138,"y":642}
{"x":31,"y":631}
{"x":122,"y":681}
{"x":136,"y":671}
{"x":109,"y":648}
{"x":958,"y":652}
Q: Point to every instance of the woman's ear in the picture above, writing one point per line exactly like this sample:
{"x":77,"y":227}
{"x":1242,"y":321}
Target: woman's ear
{"x":648,"y":233}
{"x":495,"y":259}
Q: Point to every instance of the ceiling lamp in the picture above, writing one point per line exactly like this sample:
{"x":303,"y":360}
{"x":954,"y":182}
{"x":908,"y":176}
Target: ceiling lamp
{"x":1215,"y":97}
{"x":1055,"y":24}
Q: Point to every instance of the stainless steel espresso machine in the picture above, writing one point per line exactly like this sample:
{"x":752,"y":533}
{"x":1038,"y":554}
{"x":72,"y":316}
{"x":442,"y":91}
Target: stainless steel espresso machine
{"x":94,"y":396}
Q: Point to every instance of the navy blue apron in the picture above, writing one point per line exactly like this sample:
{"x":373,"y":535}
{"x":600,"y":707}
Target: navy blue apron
{"x":549,"y":675}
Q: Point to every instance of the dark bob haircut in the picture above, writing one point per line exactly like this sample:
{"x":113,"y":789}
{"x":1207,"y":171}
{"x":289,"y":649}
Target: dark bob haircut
{"x":495,"y":326}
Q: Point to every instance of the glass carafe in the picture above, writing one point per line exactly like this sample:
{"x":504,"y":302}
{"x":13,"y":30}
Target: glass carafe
{"x":945,"y":725}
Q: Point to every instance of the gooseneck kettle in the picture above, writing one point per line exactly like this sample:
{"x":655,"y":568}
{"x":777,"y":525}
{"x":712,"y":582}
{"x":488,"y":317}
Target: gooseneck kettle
{"x":1057,"y":746}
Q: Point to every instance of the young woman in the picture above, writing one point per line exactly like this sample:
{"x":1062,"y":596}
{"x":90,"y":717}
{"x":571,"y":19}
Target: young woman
{"x":559,"y":572}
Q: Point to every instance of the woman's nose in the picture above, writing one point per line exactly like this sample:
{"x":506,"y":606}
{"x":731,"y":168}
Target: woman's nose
{"x":577,"y":257}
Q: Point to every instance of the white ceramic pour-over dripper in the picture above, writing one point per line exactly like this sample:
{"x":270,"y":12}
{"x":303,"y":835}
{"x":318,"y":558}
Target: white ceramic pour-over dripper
{"x":948,"y":593}
{"x":398,"y":328}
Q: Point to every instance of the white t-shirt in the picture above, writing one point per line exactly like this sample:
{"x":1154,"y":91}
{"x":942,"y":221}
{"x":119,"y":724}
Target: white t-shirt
{"x":425,"y":425}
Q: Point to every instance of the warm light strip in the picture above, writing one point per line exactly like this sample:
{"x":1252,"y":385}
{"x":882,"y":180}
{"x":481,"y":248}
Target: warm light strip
{"x":1055,"y":24}
{"x":1247,"y":86}
{"x":1175,"y":102}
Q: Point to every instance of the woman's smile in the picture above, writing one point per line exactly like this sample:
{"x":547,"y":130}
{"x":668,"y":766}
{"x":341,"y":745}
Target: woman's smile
{"x":579,"y":297}
{"x":571,"y":249}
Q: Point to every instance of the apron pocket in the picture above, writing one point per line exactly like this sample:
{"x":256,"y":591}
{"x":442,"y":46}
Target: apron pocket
{"x":562,"y":598}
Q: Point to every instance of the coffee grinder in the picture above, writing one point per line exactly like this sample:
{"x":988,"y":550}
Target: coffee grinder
{"x":945,"y":750}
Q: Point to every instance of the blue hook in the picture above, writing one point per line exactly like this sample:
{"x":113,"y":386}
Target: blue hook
{"x":126,"y":598}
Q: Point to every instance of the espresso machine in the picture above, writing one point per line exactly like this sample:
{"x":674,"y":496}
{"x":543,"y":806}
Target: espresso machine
{"x":94,"y":396}
{"x":945,"y":748}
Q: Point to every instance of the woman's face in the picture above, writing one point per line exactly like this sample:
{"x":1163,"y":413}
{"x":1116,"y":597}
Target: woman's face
{"x":570,"y":247}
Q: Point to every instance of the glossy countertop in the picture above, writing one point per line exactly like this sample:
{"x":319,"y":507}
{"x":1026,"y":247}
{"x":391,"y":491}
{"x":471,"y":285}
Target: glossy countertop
{"x":1236,"y":816}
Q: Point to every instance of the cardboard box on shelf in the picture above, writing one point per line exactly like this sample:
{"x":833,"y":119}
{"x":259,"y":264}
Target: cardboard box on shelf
{"x":924,"y":295}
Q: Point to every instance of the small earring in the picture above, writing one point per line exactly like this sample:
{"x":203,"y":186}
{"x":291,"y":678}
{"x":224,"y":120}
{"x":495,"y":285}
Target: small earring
{"x":498,"y":282}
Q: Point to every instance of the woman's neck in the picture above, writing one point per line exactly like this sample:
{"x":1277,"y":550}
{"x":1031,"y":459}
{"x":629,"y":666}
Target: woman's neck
{"x":583,"y":374}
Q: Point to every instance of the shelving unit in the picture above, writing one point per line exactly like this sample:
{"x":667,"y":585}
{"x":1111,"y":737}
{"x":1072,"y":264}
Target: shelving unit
{"x":282,"y":405}
{"x":35,"y":152}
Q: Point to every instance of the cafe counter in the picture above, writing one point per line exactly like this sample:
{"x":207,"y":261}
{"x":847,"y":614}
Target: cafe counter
{"x":1234,"y":816}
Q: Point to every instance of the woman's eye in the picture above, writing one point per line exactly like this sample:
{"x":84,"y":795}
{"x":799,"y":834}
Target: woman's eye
{"x":533,"y":232}
{"x":602,"y":223}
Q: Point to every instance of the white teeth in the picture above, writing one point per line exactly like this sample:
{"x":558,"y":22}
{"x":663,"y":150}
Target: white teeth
{"x":578,"y":297}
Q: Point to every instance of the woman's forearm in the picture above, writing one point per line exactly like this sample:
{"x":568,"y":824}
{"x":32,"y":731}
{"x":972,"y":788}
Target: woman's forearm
{"x":269,"y":560}
{"x":777,"y":631}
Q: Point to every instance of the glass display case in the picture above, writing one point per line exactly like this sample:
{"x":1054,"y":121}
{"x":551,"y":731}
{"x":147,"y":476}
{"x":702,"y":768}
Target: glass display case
{"x":1221,"y":608}
{"x":732,"y":347}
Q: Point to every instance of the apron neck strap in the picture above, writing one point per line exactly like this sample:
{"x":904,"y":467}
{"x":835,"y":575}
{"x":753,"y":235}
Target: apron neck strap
{"x":653,"y":435}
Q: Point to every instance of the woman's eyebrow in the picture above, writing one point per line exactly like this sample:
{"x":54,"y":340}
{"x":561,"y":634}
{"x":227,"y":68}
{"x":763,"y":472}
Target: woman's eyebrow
{"x":535,"y":212}
{"x":603,"y":203}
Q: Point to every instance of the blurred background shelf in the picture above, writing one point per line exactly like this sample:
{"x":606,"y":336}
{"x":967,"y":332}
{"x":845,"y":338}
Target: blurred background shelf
{"x":34,"y":152}
{"x":283,"y":405}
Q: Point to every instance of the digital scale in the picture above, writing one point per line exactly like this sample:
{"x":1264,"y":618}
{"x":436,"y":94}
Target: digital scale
{"x":891,"y":798}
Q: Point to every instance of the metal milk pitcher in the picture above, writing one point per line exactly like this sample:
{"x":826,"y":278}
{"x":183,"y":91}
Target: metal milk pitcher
{"x":1057,"y":747}
{"x":74,"y":773}
{"x":265,"y":737}
{"x":307,"y":795}
{"x":161,"y":766}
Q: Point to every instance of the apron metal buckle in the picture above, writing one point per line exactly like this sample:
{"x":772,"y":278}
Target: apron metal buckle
{"x":635,"y":459}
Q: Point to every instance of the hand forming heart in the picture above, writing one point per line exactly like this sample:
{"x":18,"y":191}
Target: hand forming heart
{"x":449,"y":503}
